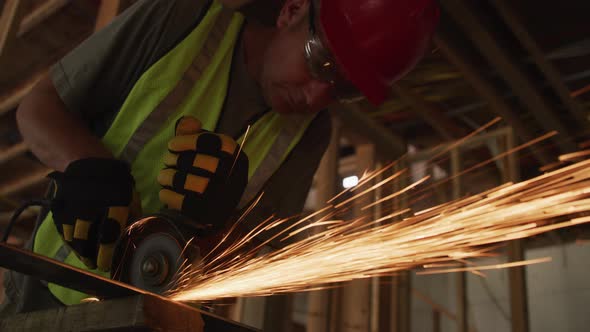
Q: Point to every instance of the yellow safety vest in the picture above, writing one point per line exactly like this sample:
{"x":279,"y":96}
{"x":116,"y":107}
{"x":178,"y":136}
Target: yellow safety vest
{"x":192,"y":79}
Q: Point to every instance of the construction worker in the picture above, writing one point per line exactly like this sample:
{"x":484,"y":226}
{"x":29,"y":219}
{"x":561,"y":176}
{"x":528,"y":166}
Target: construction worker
{"x":106,"y":116}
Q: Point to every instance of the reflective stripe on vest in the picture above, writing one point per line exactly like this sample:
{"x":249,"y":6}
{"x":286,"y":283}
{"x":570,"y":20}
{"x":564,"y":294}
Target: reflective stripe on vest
{"x":169,"y":89}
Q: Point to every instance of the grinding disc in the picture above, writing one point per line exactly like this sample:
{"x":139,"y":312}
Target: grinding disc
{"x":151,"y":255}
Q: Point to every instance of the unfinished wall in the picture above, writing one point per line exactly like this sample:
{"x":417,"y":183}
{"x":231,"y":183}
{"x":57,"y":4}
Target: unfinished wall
{"x":558,"y":292}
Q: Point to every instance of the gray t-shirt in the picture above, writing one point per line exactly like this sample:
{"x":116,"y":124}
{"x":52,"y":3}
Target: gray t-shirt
{"x":95,"y":79}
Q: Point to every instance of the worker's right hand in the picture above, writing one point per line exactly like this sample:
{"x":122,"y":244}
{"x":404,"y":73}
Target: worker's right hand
{"x":90,"y":207}
{"x":205,"y":175}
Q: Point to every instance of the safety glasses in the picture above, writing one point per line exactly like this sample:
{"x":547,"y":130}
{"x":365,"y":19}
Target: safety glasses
{"x":323,"y":67}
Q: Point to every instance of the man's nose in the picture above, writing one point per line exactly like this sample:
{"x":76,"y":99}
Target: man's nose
{"x":318,"y":94}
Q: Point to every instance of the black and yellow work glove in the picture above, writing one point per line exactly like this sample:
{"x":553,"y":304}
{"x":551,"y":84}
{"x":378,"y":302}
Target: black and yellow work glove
{"x":205,"y":174}
{"x":90,"y":207}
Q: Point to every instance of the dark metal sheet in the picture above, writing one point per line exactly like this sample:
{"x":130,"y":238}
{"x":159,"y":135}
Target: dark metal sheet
{"x":145,"y":313}
{"x":56,"y":272}
{"x":50,"y":270}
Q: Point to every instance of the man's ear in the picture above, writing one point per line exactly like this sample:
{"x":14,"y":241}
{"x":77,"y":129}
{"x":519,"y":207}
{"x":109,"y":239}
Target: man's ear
{"x":293,"y":11}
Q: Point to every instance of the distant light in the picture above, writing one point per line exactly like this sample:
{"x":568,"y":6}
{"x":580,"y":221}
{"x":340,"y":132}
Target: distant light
{"x":350,"y":182}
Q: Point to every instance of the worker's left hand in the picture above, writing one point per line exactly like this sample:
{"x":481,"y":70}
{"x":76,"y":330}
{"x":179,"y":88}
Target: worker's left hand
{"x":205,"y":175}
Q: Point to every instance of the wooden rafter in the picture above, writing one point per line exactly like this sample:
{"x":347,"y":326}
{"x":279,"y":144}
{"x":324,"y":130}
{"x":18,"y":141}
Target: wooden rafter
{"x":446,"y":127}
{"x":39,"y":14}
{"x":554,"y":77}
{"x":513,"y":74}
{"x":389,"y":145}
{"x":12,"y":13}
{"x":12,"y":152}
{"x":486,"y":90}
{"x":10,"y":100}
{"x":27,"y":181}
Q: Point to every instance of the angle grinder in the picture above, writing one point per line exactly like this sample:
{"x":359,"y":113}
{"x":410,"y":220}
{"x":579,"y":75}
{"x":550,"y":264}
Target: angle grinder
{"x":154,"y":250}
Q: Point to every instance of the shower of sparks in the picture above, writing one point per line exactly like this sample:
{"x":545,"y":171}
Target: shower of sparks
{"x":442,"y":238}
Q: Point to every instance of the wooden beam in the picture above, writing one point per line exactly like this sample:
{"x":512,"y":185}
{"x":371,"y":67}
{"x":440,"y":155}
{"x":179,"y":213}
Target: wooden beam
{"x":356,"y":294}
{"x":402,"y":311}
{"x":12,"y":152}
{"x":581,"y":91}
{"x":388,"y":145}
{"x":435,"y":306}
{"x":12,"y":13}
{"x":39,"y":14}
{"x":553,"y":76}
{"x":24,"y":182}
{"x":513,"y":75}
{"x":10,"y":100}
{"x":487,"y":91}
{"x":26,"y":214}
{"x":446,"y":128}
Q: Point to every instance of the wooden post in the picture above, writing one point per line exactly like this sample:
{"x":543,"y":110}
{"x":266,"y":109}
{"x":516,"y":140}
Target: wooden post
{"x":435,"y":321}
{"x":383,"y":286}
{"x":356,"y":294}
{"x":405,"y":302}
{"x":253,"y":311}
{"x":461,"y":277}
{"x":278,"y":313}
{"x":402,"y":283}
{"x":462,"y":323}
{"x":517,"y":277}
{"x":318,"y":314}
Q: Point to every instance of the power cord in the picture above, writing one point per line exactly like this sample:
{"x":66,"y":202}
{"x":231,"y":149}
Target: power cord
{"x":34,"y":202}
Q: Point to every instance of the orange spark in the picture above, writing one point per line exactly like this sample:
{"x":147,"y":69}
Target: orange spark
{"x":344,"y":250}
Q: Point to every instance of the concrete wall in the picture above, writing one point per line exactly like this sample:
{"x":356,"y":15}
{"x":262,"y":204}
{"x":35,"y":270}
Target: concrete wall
{"x":558,"y":291}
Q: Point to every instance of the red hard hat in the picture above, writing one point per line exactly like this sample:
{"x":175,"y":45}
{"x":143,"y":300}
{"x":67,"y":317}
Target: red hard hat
{"x":376,"y":42}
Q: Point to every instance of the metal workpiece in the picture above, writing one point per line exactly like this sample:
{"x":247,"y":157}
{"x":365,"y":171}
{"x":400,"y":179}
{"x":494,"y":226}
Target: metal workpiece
{"x":121,"y":307}
{"x":135,"y":313}
{"x":53,"y":271}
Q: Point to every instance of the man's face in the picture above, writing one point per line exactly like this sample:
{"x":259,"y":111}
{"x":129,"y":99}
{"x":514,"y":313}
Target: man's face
{"x":286,"y":81}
